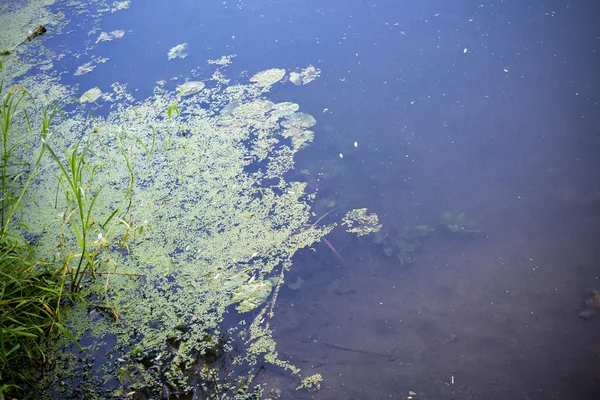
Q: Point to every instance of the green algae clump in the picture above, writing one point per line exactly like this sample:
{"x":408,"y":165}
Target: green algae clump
{"x":268,"y":77}
{"x":359,"y":222}
{"x":183,"y":225}
{"x":192,"y":219}
{"x":91,"y":95}
{"x":190,"y":88}
{"x":178,"y":51}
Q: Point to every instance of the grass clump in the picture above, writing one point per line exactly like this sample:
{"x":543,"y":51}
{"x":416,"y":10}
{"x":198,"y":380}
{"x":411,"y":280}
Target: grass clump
{"x":30,"y":297}
{"x":31,"y":288}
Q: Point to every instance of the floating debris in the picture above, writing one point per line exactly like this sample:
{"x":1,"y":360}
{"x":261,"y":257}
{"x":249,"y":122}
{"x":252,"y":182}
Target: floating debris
{"x":40,"y":30}
{"x":178,"y":51}
{"x":594,"y":301}
{"x":587,"y":313}
{"x":85,"y":68}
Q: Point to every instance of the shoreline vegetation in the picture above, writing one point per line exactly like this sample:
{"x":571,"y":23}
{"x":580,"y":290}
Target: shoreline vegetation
{"x":32,"y":289}
{"x":129,"y":236}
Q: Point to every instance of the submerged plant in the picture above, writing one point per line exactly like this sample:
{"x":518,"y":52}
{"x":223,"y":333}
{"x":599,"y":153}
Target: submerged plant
{"x":459,"y":223}
{"x":402,"y":243}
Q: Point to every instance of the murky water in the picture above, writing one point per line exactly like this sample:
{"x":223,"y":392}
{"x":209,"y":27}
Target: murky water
{"x":422,"y":108}
{"x":504,"y":127}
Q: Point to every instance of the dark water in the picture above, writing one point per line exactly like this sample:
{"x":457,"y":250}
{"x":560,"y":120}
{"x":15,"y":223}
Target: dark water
{"x":487,"y":108}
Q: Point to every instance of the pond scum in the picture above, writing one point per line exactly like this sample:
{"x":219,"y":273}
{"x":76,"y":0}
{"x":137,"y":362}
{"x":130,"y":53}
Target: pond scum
{"x":167,"y":217}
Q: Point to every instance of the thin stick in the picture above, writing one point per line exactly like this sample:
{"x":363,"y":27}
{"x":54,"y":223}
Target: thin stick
{"x":323,"y":216}
{"x":337,"y":253}
{"x":114,"y":273}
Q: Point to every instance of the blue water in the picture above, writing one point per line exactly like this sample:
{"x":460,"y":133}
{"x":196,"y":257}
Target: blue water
{"x":490,"y":108}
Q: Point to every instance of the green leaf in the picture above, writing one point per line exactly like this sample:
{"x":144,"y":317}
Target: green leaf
{"x":68,"y":334}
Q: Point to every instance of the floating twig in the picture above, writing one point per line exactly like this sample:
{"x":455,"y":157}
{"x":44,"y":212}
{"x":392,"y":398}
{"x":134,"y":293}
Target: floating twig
{"x":40,"y":30}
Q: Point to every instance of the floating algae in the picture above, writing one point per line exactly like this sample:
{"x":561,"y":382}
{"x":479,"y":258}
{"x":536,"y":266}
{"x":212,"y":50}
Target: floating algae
{"x":91,"y":95}
{"x":108,"y":36}
{"x":178,"y":51}
{"x":299,"y":120}
{"x":285,"y":109}
{"x":359,"y":222}
{"x":120,"y":5}
{"x":90,"y":66}
{"x":305,"y":76}
{"x":309,"y":74}
{"x":268,"y":77}
{"x":223,"y":60}
{"x":203,"y":233}
{"x":190,"y":88}
{"x":183,"y":233}
{"x":19,"y":20}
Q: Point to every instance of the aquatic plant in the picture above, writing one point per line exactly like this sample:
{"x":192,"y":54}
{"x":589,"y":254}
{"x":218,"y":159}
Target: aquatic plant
{"x":165,"y":216}
{"x":305,"y":76}
{"x":459,"y":223}
{"x":31,"y":288}
{"x":268,"y":77}
{"x":403,"y":242}
{"x":178,"y":51}
{"x":359,"y":222}
{"x":200,"y":233}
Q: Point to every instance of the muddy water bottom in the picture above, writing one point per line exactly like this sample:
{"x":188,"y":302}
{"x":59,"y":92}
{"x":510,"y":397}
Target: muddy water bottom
{"x":492,"y":317}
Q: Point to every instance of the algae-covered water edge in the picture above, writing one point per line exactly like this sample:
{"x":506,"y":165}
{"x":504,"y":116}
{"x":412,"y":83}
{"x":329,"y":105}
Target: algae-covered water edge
{"x":322,"y":200}
{"x":181,"y":211}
